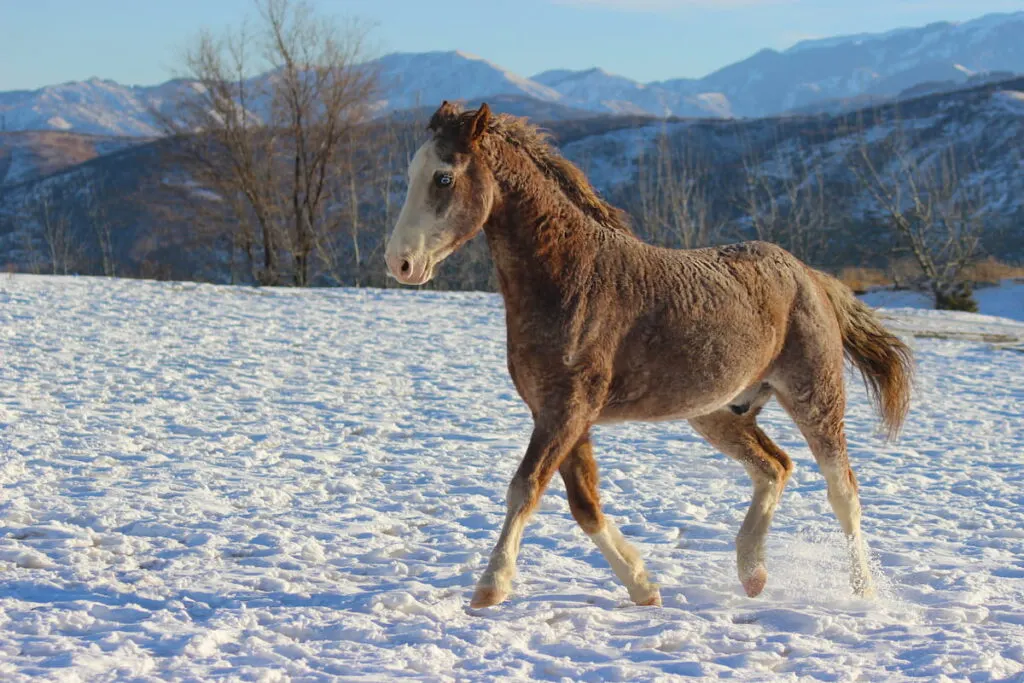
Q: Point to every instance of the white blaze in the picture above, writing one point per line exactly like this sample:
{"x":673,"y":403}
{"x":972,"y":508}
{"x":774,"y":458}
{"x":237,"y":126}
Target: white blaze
{"x":419,"y":231}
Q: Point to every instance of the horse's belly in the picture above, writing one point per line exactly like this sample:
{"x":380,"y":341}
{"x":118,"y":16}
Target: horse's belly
{"x":687,"y":387}
{"x":656,"y":405}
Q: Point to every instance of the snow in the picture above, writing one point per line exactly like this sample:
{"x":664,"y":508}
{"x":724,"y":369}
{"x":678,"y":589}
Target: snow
{"x":716,"y":103}
{"x":428,"y":78}
{"x":58,"y":123}
{"x":205,"y":482}
{"x":1012,"y":100}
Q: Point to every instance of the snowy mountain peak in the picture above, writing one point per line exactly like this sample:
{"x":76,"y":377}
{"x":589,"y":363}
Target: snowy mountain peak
{"x":416,"y":79}
{"x":468,"y":55}
{"x":812,"y":75}
{"x":988,"y":21}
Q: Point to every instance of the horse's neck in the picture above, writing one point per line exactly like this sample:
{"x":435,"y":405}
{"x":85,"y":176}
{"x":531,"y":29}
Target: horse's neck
{"x":542,"y":247}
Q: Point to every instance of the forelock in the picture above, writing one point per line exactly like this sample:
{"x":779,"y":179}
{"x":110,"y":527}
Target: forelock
{"x":450,"y":125}
{"x":445,"y":120}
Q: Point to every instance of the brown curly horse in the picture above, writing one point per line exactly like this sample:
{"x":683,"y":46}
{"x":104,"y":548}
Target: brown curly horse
{"x":603,"y":327}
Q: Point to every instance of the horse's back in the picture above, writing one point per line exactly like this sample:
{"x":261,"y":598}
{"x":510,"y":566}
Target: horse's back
{"x":713,"y":322}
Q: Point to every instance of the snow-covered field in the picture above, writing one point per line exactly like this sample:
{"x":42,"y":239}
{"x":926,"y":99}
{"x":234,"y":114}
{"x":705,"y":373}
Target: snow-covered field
{"x":210,"y":483}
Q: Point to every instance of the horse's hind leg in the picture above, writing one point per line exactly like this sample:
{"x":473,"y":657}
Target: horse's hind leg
{"x":579,"y":472}
{"x":816,"y":402}
{"x":738,"y":436}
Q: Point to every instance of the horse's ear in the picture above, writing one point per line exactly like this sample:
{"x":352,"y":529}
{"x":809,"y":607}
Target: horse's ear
{"x":478,"y":126}
{"x":444,"y":113}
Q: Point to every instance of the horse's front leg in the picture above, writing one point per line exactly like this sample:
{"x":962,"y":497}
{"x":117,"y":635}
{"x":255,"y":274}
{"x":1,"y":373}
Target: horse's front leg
{"x":554,"y":435}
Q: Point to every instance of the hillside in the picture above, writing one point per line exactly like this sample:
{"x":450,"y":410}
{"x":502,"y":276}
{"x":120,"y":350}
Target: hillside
{"x":158,"y":232}
{"x":30,"y":155}
{"x":305,"y":484}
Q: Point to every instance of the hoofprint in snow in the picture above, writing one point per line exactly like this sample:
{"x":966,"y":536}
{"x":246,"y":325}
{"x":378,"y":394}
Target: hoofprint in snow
{"x":206,"y":482}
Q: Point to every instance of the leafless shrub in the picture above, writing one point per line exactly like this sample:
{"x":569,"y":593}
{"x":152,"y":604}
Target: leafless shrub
{"x":271,"y":132}
{"x":935,"y":212}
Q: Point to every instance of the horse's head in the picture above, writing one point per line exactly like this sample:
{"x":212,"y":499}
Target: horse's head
{"x":450,"y":196}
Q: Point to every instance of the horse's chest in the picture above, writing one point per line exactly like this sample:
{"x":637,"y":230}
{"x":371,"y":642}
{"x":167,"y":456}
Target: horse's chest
{"x":535,"y":355}
{"x":527,"y":375}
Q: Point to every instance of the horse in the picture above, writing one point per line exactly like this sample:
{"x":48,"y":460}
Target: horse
{"x":603,"y":327}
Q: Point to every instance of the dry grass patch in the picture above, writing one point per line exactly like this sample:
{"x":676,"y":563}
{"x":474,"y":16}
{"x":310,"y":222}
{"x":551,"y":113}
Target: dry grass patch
{"x":861,"y":280}
{"x":991,"y":272}
{"x":907,"y":273}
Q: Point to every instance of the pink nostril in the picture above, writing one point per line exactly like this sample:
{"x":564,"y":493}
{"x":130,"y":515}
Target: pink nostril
{"x":406,"y":267}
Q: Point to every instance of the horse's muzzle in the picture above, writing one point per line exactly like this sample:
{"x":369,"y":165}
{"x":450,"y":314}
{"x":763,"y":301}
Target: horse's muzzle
{"x":408,"y":268}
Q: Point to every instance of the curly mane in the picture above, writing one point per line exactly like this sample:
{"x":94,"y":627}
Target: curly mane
{"x":450,"y":120}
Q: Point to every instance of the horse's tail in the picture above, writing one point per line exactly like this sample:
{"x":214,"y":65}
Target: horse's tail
{"x":885,"y":362}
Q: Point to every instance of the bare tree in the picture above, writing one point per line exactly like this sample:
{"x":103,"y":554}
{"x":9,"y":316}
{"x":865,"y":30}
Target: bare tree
{"x":48,"y":209}
{"x":784,"y":199}
{"x":934,"y":210}
{"x":96,"y":198}
{"x":12,"y":222}
{"x":224,"y":148}
{"x":274,"y":115}
{"x":322,"y":94}
{"x":673,"y":202}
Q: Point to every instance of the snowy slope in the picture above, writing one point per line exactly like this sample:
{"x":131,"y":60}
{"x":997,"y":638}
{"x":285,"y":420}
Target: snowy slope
{"x":417,"y":79}
{"x":986,"y":120}
{"x":882,"y":65}
{"x":96,"y":106}
{"x":602,"y":91}
{"x":203,"y":483}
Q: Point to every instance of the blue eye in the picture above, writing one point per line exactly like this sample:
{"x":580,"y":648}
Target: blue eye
{"x":444,"y":179}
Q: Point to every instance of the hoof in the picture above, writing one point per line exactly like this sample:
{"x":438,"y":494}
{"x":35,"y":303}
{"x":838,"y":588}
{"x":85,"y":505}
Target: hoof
{"x":487,"y":596}
{"x":754,"y":583}
{"x":652,"y":600}
{"x":646,"y":595}
{"x":865,"y":590}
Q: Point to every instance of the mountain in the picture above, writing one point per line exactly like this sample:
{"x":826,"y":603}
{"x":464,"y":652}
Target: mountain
{"x":880,"y":65}
{"x":95,"y":106}
{"x":600,"y":90}
{"x":411,"y":80}
{"x":160,"y":226}
{"x":517,"y":105}
{"x":832,"y":74}
{"x":856,"y":69}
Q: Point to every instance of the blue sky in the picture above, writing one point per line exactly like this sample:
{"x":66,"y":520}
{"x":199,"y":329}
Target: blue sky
{"x":140,"y":41}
